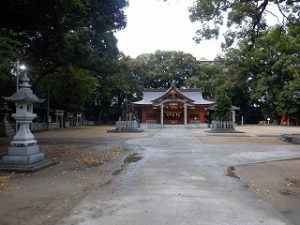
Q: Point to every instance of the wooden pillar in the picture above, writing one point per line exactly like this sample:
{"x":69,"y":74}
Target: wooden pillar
{"x":162,"y":114}
{"x":185,"y":114}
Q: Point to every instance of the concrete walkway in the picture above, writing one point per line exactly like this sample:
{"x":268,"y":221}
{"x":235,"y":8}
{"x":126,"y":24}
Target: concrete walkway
{"x":181,"y":181}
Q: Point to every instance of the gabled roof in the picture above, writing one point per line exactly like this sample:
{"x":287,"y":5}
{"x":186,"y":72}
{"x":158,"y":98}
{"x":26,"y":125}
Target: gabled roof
{"x":193,"y":95}
{"x":173,"y":88}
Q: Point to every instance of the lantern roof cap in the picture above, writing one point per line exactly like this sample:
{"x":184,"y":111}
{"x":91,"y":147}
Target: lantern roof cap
{"x":24,"y":93}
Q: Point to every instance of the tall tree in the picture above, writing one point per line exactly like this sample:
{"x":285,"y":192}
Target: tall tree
{"x":207,"y":77}
{"x":223,"y":106}
{"x":71,"y":88}
{"x":264,"y":77}
{"x":119,"y":85}
{"x":58,"y":35}
{"x":9,"y":52}
{"x":158,"y":70}
{"x":244,"y":18}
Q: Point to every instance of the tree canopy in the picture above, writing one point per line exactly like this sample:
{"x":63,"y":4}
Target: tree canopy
{"x":68,"y":37}
{"x":159,"y":69}
{"x":223,"y":106}
{"x":244,"y":18}
{"x":260,"y":80}
{"x":72,"y":54}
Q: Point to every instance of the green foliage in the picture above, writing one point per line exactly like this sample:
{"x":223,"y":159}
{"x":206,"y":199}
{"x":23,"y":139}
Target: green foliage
{"x":8,"y":55}
{"x":120,"y":84}
{"x":158,"y":70}
{"x":207,"y":77}
{"x":71,"y":88}
{"x":222,"y":107}
{"x":72,"y":37}
{"x":245,"y":18}
{"x":260,"y":80}
{"x":264,"y":77}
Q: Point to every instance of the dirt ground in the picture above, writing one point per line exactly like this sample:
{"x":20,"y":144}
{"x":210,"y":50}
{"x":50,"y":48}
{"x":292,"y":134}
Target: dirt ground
{"x":277,"y":182}
{"x":89,"y":157}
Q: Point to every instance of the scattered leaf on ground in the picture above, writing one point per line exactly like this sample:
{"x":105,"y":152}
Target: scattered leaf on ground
{"x":99,"y":159}
{"x":287,"y":192}
{"x":4,"y":178}
{"x":57,"y":151}
{"x":293,"y":182}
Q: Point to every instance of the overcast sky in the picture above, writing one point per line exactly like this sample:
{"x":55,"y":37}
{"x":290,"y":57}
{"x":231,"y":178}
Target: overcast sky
{"x":157,"y":25}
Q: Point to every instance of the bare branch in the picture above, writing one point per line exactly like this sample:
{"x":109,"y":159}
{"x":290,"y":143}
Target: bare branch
{"x":261,"y":9}
{"x":281,"y":12}
{"x":273,"y":15}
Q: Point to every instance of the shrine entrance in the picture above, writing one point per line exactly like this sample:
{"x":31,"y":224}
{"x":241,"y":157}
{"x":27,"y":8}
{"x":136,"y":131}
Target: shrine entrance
{"x":174,"y":113}
{"x":172,"y":106}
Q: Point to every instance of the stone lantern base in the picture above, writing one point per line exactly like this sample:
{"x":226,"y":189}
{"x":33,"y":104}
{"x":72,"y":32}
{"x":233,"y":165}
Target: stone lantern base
{"x":24,"y":159}
{"x":27,"y":168}
{"x":23,"y":155}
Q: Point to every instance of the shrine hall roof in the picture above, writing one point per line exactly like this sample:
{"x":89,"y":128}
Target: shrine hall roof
{"x":194,"y":94}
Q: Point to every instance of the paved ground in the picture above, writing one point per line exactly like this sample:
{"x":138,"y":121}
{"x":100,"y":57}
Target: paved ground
{"x":181,"y":179}
{"x":87,"y":156}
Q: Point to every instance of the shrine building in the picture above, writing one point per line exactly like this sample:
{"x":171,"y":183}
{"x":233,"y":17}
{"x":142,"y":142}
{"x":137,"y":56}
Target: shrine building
{"x":172,"y":106}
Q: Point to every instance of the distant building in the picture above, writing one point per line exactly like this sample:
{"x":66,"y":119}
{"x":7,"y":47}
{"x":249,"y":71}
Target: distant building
{"x":172,"y":106}
{"x":205,"y":60}
{"x":296,"y":94}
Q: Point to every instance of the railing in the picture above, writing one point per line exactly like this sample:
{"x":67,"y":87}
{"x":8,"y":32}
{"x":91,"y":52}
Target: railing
{"x":89,"y":123}
{"x":67,"y":124}
{"x":38,"y":126}
{"x":195,"y":121}
{"x":222,"y":125}
{"x":151,"y":123}
{"x":43,"y":126}
{"x":54,"y":125}
{"x":127,"y":125}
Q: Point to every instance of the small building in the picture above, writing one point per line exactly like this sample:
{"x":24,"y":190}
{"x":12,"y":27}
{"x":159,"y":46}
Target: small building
{"x":172,"y":106}
{"x":296,"y":94}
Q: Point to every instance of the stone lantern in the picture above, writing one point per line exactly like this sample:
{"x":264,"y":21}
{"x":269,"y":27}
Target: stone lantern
{"x":23,"y":148}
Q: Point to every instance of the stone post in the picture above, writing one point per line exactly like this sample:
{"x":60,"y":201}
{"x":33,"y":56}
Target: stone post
{"x":233,"y":117}
{"x":185,"y":114}
{"x":162,"y":114}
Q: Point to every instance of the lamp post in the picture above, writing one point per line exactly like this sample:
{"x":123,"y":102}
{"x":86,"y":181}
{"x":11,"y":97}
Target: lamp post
{"x":17,"y":74}
{"x":19,"y":67}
